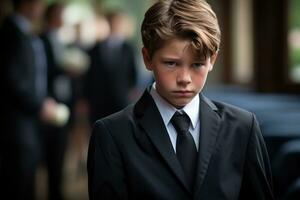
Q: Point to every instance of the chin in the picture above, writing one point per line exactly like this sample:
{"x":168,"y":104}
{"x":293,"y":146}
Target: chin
{"x":178,"y":102}
{"x":180,"y":105}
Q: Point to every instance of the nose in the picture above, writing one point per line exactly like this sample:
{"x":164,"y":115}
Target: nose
{"x":184,"y":76}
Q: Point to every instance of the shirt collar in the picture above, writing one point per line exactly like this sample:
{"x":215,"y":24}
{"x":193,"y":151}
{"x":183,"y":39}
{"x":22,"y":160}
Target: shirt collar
{"x":167,"y":110}
{"x":192,"y":110}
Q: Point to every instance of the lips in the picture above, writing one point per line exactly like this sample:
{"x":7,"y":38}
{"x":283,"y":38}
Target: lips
{"x":183,"y":93}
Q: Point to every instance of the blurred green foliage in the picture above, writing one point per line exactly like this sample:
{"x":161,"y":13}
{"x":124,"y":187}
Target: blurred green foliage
{"x":134,"y":8}
{"x":294,"y":23}
{"x":295,"y":57}
{"x":294,"y":14}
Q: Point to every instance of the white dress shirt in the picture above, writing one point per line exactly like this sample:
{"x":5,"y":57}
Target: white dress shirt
{"x":192,"y":109}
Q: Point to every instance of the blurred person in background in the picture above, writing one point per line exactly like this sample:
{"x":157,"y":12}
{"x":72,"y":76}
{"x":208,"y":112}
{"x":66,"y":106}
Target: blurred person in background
{"x":111,"y":79}
{"x":24,"y":102}
{"x":77,"y":58}
{"x":60,"y":87}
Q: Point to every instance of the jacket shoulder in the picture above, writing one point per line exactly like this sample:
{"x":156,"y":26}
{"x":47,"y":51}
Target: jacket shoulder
{"x":234,"y":113}
{"x":117,"y":123}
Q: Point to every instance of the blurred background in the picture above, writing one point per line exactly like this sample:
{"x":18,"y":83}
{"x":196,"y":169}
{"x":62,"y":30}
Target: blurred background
{"x":258,"y":69}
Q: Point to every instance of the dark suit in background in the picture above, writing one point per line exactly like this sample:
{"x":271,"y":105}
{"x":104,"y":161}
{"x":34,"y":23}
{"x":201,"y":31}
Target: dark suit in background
{"x":111,"y":77}
{"x":54,"y":138}
{"x":23,"y":87}
{"x":131,"y":156}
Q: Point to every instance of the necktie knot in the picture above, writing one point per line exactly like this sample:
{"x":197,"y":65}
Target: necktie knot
{"x":181,"y":122}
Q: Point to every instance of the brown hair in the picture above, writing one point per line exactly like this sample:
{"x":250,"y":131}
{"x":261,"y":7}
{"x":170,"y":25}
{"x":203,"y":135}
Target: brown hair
{"x":186,"y":19}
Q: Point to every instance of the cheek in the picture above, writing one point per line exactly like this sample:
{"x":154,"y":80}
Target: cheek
{"x":163,"y":79}
{"x":200,"y":78}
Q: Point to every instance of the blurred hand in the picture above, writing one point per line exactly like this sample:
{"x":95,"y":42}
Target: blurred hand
{"x":48,"y":110}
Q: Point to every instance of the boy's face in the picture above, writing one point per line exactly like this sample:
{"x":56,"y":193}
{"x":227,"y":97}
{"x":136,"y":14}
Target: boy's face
{"x":179,"y":73}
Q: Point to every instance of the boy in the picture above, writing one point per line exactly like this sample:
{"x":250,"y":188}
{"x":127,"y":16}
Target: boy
{"x":174,"y":143}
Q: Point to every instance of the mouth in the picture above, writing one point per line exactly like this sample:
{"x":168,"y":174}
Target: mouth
{"x":183,"y":93}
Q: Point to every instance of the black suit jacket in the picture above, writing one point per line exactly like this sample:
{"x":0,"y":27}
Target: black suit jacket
{"x":131,"y":156}
{"x":18,"y":71}
{"x":20,"y":103}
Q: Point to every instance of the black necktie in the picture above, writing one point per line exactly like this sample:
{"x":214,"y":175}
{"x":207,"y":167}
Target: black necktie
{"x":185,"y":146}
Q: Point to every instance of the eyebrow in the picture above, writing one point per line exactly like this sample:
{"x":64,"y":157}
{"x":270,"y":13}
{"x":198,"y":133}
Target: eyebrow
{"x":170,"y":58}
{"x":179,"y":58}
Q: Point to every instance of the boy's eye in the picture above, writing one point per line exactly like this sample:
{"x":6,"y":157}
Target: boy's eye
{"x":170,"y":63}
{"x":197,"y":65}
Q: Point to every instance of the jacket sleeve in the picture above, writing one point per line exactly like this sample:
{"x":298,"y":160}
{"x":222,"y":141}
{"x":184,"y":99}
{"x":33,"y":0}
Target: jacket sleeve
{"x":106,"y":177}
{"x":257,"y":176}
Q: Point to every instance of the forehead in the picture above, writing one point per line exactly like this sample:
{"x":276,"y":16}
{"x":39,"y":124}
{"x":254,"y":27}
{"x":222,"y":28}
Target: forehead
{"x":178,"y":47}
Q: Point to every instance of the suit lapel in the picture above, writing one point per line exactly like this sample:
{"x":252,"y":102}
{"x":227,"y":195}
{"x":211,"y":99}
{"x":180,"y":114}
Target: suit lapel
{"x":209,"y":126}
{"x":150,"y":120}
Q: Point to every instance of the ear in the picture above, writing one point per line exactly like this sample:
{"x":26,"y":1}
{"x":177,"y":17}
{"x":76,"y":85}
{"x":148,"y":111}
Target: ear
{"x":147,"y":59}
{"x":213,"y":59}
